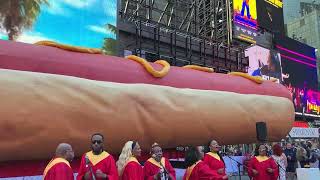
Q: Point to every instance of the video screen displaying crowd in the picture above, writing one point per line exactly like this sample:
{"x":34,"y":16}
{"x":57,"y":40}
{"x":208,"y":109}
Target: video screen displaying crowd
{"x":201,"y":162}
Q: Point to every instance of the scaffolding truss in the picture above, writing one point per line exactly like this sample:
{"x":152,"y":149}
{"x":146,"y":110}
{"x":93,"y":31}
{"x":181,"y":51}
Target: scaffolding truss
{"x":184,"y":32}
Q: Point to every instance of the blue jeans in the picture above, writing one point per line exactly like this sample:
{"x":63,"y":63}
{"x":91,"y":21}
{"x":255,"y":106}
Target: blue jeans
{"x":244,"y":7}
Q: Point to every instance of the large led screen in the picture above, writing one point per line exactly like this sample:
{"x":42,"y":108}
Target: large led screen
{"x":245,"y":13}
{"x":245,"y":20}
{"x":88,"y":23}
{"x":270,"y":15}
{"x":265,"y":63}
{"x":299,"y":62}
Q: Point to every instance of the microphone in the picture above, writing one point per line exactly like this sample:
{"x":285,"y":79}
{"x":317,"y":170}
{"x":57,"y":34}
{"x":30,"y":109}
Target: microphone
{"x":87,"y":161}
{"x":164,"y":169}
{"x":90,"y":167}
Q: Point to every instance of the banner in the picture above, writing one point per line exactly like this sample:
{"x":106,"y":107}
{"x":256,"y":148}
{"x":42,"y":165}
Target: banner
{"x":304,"y":133}
{"x":308,"y":173}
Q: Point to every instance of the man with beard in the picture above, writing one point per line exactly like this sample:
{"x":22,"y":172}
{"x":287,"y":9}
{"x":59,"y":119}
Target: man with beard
{"x":97,"y":164}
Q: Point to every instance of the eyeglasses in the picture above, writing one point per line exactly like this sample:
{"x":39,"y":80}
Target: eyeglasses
{"x":98,"y":142}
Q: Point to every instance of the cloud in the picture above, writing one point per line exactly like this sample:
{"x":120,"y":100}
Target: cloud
{"x":32,"y":38}
{"x":110,"y":8}
{"x":100,"y":29}
{"x":57,"y":8}
{"x":78,"y":3}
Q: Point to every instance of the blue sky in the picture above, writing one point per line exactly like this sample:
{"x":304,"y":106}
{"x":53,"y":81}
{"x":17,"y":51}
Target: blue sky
{"x":74,"y":22}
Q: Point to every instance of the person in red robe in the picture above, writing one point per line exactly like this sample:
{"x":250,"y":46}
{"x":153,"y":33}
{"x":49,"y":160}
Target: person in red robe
{"x":197,"y":169}
{"x":158,"y":167}
{"x":129,"y":167}
{"x":261,"y":167}
{"x":214,"y":160}
{"x":97,"y":163}
{"x":59,"y":167}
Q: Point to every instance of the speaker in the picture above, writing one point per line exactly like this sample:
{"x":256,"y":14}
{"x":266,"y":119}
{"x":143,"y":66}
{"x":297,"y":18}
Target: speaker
{"x":261,"y":129}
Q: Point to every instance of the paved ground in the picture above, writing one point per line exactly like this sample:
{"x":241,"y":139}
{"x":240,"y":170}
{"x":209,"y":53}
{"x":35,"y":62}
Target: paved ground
{"x":237,"y":178}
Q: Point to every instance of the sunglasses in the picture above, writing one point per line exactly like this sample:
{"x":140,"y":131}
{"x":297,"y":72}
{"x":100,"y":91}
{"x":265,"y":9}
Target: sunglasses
{"x":96,"y":142}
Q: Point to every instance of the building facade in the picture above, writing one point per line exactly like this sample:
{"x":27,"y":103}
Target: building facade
{"x":306,"y":27}
{"x":292,"y":9}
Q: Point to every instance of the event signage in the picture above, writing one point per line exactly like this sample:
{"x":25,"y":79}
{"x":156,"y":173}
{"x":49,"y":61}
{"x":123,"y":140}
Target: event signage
{"x":304,"y":132}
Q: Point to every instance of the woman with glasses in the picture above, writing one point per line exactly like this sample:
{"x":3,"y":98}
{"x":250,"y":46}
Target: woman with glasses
{"x":129,"y":167}
{"x":261,"y":167}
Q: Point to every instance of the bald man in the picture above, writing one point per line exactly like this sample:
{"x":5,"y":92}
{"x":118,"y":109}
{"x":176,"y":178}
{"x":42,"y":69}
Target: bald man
{"x":59,"y":167}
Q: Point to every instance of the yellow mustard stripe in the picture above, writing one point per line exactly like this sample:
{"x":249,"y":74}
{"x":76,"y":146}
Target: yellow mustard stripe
{"x":158,"y":74}
{"x":199,"y":68}
{"x":69,"y":48}
{"x":256,"y":79}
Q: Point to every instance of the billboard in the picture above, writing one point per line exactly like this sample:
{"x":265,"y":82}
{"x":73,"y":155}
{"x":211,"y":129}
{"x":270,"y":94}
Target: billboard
{"x":245,"y":13}
{"x":299,"y":63}
{"x":245,"y":20}
{"x":264,"y":62}
{"x":87,"y":23}
{"x":270,"y":15}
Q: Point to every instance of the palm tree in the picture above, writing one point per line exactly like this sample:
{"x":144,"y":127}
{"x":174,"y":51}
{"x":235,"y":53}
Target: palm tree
{"x":17,"y":15}
{"x":110,"y":44}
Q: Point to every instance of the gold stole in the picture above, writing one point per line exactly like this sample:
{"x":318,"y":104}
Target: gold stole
{"x":190,"y":169}
{"x":154,"y":162}
{"x":95,"y":159}
{"x":214,"y":155}
{"x":131,"y":159}
{"x":262,"y":158}
{"x":54,"y":162}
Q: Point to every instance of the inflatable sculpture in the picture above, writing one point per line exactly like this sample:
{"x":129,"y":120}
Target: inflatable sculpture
{"x":51,"y":95}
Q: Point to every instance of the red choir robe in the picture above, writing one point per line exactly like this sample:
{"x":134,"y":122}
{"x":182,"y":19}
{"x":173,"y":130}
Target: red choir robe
{"x":200,"y":171}
{"x":261,"y":164}
{"x":215,"y":163}
{"x":132,"y":170}
{"x":152,"y":167}
{"x":103,"y":161}
{"x":58,"y":169}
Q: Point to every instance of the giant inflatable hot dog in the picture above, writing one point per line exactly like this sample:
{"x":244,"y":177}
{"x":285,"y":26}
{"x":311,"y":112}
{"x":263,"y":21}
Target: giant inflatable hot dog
{"x":50,"y":95}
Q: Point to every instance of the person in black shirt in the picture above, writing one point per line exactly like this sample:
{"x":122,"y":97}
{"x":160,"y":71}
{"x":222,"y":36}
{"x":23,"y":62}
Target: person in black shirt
{"x":290,"y":152}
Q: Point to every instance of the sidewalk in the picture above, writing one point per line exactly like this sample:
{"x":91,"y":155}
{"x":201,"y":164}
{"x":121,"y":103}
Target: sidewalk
{"x":237,"y":178}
